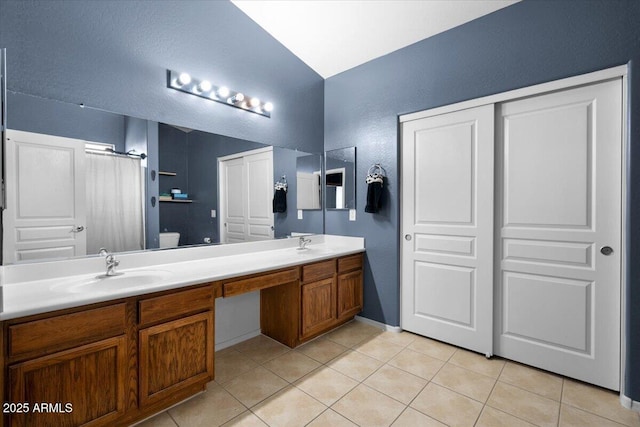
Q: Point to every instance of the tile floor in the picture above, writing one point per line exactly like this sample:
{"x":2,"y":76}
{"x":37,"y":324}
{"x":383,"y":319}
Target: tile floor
{"x":358,"y":375}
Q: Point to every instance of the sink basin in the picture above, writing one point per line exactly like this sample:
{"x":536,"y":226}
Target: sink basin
{"x":107,"y":284}
{"x":313,"y":250}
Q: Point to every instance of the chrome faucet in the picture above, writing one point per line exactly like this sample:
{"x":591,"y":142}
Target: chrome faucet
{"x":111,"y":262}
{"x":303,"y":243}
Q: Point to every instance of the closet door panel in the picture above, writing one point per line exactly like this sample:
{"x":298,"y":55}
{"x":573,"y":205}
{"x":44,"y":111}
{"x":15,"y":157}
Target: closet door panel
{"x":447,"y":227}
{"x":558,"y":294}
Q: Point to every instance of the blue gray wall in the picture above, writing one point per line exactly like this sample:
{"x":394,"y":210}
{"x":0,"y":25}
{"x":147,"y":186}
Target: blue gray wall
{"x":528,"y":43}
{"x":113,"y":55}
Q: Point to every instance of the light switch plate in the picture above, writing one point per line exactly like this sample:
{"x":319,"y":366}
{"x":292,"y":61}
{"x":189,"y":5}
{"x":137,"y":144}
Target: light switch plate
{"x":213,"y":213}
{"x":299,"y":213}
{"x":352,"y":214}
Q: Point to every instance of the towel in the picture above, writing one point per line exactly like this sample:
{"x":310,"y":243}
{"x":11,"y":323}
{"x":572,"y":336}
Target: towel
{"x":374,"y":196}
{"x":280,"y":200}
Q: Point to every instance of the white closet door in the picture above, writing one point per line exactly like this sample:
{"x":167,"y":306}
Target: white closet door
{"x":246,"y":195}
{"x":232,"y":200}
{"x":447,"y":227}
{"x":45,"y":214}
{"x":259,"y":170}
{"x":557,"y":293}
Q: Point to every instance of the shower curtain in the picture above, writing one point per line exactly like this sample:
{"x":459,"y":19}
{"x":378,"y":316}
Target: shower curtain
{"x":114,"y":203}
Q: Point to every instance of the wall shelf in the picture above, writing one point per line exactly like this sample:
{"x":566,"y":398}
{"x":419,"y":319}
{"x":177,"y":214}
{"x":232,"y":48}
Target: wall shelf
{"x":170,"y":200}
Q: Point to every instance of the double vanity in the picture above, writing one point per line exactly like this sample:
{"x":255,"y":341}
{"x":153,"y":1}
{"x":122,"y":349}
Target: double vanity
{"x":79,"y":348}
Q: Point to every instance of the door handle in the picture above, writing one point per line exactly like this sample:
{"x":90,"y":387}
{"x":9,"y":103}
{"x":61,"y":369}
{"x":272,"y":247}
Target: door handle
{"x":606,"y":250}
{"x":407,"y":237}
{"x":77,"y":229}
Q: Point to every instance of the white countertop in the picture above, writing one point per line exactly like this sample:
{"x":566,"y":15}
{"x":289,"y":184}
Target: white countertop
{"x":29,"y":289}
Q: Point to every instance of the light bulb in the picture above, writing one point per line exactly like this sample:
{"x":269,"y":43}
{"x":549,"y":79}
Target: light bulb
{"x":223,"y":91}
{"x":238,"y":97}
{"x":184,"y":79}
{"x":254,"y":102}
{"x":268,"y":107}
{"x":204,"y":86}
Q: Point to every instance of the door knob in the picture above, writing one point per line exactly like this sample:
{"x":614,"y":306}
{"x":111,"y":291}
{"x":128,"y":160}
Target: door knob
{"x":77,"y":229}
{"x":407,"y":237}
{"x":606,"y":250}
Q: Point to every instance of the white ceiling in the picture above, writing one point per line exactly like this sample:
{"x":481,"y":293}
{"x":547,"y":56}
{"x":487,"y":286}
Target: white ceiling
{"x":334,"y":36}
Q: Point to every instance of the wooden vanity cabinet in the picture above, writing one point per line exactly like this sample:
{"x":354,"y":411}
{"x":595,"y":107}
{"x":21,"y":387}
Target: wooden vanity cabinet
{"x":349,"y":287}
{"x":67,"y":369}
{"x":331,"y":294}
{"x":111,"y":364}
{"x":318,"y":298}
{"x":178,"y":350}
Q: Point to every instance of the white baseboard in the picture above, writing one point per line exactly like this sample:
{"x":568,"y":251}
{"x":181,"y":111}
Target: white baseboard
{"x":629,"y":404}
{"x":380,"y":325}
{"x":236,"y":340}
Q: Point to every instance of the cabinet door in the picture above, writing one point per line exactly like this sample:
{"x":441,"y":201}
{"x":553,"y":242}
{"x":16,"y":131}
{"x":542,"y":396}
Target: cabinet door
{"x":349,"y":294}
{"x":318,"y":306}
{"x":175,"y":355}
{"x":83,"y":386}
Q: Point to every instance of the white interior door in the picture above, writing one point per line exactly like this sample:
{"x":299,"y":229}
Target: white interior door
{"x":45,"y":214}
{"x":246,"y":194}
{"x":259,"y":173}
{"x":232,"y":200}
{"x":557,"y":294}
{"x":447,"y":227}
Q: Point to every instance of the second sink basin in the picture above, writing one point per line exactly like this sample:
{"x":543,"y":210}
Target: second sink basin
{"x":107,"y":284}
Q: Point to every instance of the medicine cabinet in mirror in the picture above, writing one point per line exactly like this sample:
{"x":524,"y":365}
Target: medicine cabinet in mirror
{"x":340,"y":184}
{"x":309,"y":182}
{"x":170,"y":198}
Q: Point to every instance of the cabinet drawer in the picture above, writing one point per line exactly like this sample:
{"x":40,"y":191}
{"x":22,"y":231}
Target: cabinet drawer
{"x":173,"y":305}
{"x":318,"y":270}
{"x":67,"y":330}
{"x":348,"y":263}
{"x":258,"y":282}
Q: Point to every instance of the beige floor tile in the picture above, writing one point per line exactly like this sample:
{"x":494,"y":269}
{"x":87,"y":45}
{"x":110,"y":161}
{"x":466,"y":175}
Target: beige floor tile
{"x":326,"y":385}
{"x":524,"y":404}
{"x":417,"y":363}
{"x":532,"y":379}
{"x":231,"y":364}
{"x":367,"y":407}
{"x":322,"y":349}
{"x":161,"y":420}
{"x":402,"y":339}
{"x":574,"y":417}
{"x":491,"y":417}
{"x":254,"y":386}
{"x":432,"y":348}
{"x":355,"y":365}
{"x":396,"y":383}
{"x":412,"y":418}
{"x":598,"y":401}
{"x":464,"y":381}
{"x":261,"y":349}
{"x":291,"y":366}
{"x":447,"y":406}
{"x":353,"y":333}
{"x":330,"y":418}
{"x":478,"y":363}
{"x":212,"y":408}
{"x":378,"y":349}
{"x":288,"y":407}
{"x":246,"y":419}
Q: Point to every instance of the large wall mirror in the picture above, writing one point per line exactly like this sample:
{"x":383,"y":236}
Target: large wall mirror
{"x":340,"y":180}
{"x":69,"y":194}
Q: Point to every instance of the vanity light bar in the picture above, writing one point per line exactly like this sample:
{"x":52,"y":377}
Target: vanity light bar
{"x":183,"y":82}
